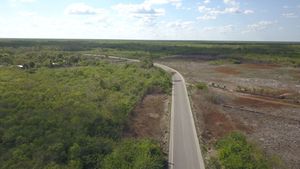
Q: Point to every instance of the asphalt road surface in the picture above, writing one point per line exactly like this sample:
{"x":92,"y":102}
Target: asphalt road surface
{"x":184,"y":149}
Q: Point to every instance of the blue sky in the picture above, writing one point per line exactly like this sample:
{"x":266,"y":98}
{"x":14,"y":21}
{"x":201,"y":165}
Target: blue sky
{"x":253,"y":20}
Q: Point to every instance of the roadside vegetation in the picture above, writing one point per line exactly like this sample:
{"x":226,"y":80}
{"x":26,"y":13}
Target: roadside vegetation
{"x":73,"y":116}
{"x":201,"y":86}
{"x":235,"y":152}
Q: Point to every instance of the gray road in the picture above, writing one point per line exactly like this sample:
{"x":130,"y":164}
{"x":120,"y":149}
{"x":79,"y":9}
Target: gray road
{"x":184,"y":149}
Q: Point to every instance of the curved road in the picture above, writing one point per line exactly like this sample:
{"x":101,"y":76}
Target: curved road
{"x":184,"y":149}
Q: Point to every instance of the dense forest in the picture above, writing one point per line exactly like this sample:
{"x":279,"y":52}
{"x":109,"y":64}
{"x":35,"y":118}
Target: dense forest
{"x":62,"y":110}
{"x":42,"y":50}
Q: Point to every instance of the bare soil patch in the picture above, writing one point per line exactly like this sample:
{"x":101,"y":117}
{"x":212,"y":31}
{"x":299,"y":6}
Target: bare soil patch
{"x":261,"y":66}
{"x":296,"y":74}
{"x":271,"y":122}
{"x":256,"y":102}
{"x":150,"y":119}
{"x":214,"y":123}
{"x":227,"y":70}
{"x":248,"y":101}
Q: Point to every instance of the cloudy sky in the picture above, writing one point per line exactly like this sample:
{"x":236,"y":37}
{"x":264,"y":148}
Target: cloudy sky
{"x":255,"y":20}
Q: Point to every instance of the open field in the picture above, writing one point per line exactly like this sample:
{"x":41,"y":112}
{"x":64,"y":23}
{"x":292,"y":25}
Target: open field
{"x":267,"y":112}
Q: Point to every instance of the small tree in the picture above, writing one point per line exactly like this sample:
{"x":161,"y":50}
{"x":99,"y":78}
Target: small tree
{"x":147,"y":62}
{"x":31,"y":64}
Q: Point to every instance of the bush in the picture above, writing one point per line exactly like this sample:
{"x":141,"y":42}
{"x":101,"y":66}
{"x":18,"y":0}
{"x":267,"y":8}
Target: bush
{"x":142,"y":154}
{"x":201,"y":86}
{"x":234,"y":152}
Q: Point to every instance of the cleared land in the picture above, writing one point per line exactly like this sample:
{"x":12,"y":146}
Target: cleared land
{"x":260,"y":100}
{"x":150,"y":119}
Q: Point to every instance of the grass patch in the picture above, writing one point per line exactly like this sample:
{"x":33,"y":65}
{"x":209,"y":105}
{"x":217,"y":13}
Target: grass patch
{"x":235,"y":152}
{"x":201,"y":86}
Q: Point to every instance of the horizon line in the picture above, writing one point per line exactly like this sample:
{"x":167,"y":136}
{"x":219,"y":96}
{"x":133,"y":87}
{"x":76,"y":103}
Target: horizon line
{"x":163,"y":40}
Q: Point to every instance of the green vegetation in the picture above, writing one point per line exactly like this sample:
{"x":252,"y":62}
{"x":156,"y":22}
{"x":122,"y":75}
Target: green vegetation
{"x":135,"y":155}
{"x":65,"y":52}
{"x":73,"y":117}
{"x":234,"y":152}
{"x":67,"y":108}
{"x":201,"y":86}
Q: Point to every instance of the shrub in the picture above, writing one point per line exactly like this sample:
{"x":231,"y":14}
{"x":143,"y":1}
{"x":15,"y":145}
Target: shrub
{"x":143,"y":154}
{"x":201,"y":86}
{"x":234,"y":152}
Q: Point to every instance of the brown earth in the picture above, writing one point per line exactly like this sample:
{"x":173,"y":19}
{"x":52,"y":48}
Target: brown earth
{"x":214,"y":123}
{"x":259,"y":101}
{"x":150,"y":119}
{"x":252,"y":102}
{"x":260,"y":66}
{"x":273,"y":124}
{"x":296,"y":74}
{"x":227,"y":70}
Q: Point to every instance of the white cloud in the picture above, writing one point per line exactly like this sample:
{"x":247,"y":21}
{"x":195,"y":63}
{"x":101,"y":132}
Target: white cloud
{"x":231,"y":2}
{"x":187,"y":25}
{"x":146,"y":12}
{"x":22,"y":1}
{"x":262,"y":25}
{"x":203,"y":8}
{"x":206,"y":1}
{"x":143,"y":15}
{"x":82,"y":9}
{"x":176,"y":3}
{"x":139,"y":10}
{"x":232,"y":7}
{"x":286,"y":7}
{"x":207,"y":17}
{"x":15,"y":3}
{"x":27,"y":14}
{"x":220,"y":30}
{"x":248,"y":11}
{"x":232,"y":10}
{"x":290,"y":15}
{"x":226,"y":29}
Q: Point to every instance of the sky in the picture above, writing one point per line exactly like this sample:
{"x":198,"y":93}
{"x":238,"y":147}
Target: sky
{"x":240,"y":20}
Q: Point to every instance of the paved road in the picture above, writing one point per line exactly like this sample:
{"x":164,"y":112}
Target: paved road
{"x":184,"y":149}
